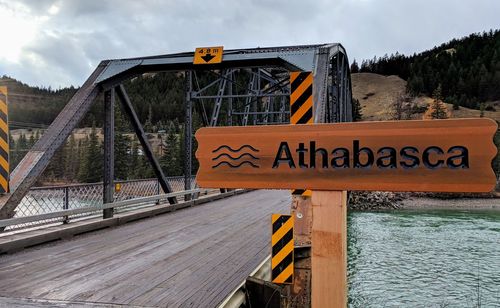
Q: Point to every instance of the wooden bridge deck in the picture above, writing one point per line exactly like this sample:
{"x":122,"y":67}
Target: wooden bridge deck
{"x":189,"y":258}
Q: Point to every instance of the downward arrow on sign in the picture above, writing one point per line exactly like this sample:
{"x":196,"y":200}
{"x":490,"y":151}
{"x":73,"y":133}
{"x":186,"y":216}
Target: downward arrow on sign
{"x":207,"y":57}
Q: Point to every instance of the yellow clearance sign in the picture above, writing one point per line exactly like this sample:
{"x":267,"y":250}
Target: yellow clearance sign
{"x":435,"y":155}
{"x":208,"y":55}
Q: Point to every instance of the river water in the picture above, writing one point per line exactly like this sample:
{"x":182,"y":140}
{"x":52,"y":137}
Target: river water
{"x":424,"y":259}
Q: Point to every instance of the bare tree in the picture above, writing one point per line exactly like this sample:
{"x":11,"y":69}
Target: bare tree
{"x":402,"y":106}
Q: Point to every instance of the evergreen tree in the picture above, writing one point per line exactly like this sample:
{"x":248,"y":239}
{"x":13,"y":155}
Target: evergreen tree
{"x":82,"y":159}
{"x":468,"y":67}
{"x":146,"y":171}
{"x":122,"y":147}
{"x":148,"y":125}
{"x":23,"y":144}
{"x":93,"y":159}
{"x":135,"y":166}
{"x":181,"y":153}
{"x":170,"y":160}
{"x":31,"y":141}
{"x":354,"y":67}
{"x":197,"y":124}
{"x":437,"y":108}
{"x":56,"y":169}
{"x":72,"y":159}
{"x":19,"y":149}
{"x":356,"y":110}
{"x":13,"y":153}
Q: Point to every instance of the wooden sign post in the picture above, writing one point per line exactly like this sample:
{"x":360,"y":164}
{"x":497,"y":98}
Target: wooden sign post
{"x":329,"y":249}
{"x":437,"y":156}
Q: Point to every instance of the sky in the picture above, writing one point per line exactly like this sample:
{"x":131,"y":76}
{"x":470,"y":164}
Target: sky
{"x":58,"y":43}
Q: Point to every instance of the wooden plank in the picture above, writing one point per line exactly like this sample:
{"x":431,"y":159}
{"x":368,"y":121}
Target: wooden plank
{"x":139,"y":255}
{"x":174,"y":267}
{"x":329,"y":249}
{"x":16,"y":242}
{"x":37,"y":303}
{"x":99,"y":253}
{"x":195,"y":257}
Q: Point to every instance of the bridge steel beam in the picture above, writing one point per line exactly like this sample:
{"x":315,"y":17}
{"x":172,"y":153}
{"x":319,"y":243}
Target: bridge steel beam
{"x":139,"y":131}
{"x":230,"y":100}
{"x":218,"y":99}
{"x":251,"y":89}
{"x":332,"y":102}
{"x":188,"y":133}
{"x":37,"y":159}
{"x":109,"y":150}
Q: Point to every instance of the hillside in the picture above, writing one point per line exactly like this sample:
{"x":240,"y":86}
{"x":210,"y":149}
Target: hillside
{"x":157,"y":100}
{"x":34,"y":105}
{"x":376,"y":93}
{"x":467,"y":69}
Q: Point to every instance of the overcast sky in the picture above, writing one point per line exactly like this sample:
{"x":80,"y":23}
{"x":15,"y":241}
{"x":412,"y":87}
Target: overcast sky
{"x":59,"y":42}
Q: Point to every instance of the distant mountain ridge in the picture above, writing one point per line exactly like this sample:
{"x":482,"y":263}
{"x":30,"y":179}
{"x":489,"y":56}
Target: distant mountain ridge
{"x":34,"y":104}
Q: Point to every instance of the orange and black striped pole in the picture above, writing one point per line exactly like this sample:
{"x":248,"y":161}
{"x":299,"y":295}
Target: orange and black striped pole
{"x":301,"y":98}
{"x":4,"y":142}
{"x":301,"y":106}
{"x":282,"y":249}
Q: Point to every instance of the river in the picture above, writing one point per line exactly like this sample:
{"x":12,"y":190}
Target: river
{"x":424,"y":258}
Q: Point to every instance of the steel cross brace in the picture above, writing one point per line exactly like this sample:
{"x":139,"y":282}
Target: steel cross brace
{"x":136,"y":124}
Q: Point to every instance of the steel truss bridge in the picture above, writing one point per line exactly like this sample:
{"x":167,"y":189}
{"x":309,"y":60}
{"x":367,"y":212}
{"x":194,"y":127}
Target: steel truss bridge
{"x":196,"y":257}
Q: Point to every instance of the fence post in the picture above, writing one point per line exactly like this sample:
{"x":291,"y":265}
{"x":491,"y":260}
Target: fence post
{"x":158,"y":190}
{"x":66,"y":204}
{"x":109,"y":154}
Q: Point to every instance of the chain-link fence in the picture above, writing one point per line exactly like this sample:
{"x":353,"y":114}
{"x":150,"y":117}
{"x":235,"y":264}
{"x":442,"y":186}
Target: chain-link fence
{"x":49,"y":199}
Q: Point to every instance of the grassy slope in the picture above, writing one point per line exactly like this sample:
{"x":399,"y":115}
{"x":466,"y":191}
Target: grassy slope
{"x":377,"y":92}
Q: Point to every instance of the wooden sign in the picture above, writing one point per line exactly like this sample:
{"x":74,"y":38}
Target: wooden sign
{"x":208,"y":55}
{"x":436,"y":156}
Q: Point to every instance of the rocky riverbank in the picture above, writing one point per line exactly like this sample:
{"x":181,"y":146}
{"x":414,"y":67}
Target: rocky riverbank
{"x":375,"y":200}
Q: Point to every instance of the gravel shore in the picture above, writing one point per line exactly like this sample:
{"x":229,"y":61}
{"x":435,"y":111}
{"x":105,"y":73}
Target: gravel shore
{"x":459,"y":203}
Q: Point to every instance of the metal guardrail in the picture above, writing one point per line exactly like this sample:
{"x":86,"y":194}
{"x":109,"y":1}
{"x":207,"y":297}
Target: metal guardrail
{"x":52,"y":199}
{"x":115,"y":205}
{"x":237,"y":298}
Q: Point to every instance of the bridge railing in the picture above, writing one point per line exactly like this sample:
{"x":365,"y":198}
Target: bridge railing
{"x":53,"y":199}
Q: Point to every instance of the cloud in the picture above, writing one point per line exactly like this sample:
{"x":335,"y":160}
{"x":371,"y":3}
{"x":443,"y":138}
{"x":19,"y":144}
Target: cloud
{"x":72,"y":36}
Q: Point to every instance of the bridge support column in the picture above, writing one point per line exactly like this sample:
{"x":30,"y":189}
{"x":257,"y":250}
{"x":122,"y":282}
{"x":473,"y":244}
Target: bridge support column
{"x":188,"y":135}
{"x":109,"y":152}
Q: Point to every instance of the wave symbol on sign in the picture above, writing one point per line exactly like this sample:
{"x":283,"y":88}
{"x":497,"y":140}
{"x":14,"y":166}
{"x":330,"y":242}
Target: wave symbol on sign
{"x":246,"y":156}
